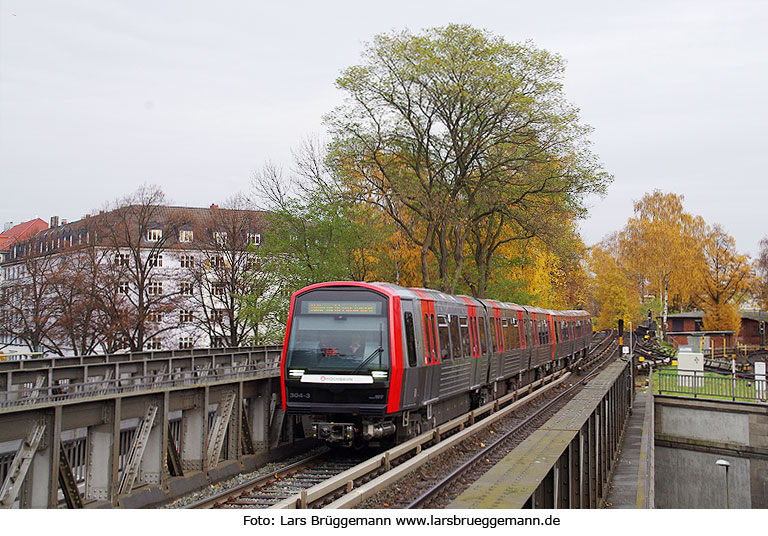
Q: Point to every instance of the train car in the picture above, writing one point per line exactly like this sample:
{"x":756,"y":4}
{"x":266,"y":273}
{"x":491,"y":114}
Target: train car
{"x":375,"y":361}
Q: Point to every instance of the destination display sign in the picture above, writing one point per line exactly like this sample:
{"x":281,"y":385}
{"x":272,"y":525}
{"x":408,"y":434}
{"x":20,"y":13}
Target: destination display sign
{"x":341,"y":308}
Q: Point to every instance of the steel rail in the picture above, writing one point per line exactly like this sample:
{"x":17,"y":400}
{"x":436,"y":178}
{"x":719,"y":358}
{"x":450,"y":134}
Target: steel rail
{"x":257,"y":482}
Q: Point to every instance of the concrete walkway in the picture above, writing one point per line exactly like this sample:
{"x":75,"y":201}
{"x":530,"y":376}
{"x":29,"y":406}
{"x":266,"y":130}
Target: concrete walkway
{"x":628,"y":488}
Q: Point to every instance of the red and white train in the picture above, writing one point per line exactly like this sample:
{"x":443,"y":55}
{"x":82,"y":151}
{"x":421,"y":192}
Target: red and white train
{"x":375,"y":360}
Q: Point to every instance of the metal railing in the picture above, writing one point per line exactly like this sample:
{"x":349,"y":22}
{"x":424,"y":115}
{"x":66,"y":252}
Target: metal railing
{"x":699,"y":384}
{"x":27,"y":396}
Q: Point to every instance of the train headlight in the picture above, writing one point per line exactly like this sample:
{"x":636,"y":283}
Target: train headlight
{"x":295,"y":373}
{"x":379,"y":374}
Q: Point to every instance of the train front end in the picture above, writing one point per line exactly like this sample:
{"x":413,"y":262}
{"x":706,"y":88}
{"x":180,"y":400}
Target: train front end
{"x":337,"y":362}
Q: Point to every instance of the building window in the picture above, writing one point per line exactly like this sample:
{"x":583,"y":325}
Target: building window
{"x":220,"y":237}
{"x":254,"y":239}
{"x":122,"y":287}
{"x":218,"y":289}
{"x":218,"y":342}
{"x":217,"y":315}
{"x":186,"y":235}
{"x":217,"y":261}
{"x":185,"y":342}
{"x":187,"y":261}
{"x":155,"y":288}
{"x":155,"y":317}
{"x":186,"y":316}
{"x":252,"y":263}
{"x":156,"y":259}
{"x":185,"y":288}
{"x":153,"y":344}
{"x":154,"y":235}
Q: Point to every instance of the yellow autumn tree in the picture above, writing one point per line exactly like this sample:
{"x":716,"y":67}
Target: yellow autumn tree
{"x":723,"y":281}
{"x":613,"y":292}
{"x":532,"y":273}
{"x":661,"y":248}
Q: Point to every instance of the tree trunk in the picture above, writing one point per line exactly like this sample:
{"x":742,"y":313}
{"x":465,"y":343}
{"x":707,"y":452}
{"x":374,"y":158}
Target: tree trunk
{"x":664,"y":315}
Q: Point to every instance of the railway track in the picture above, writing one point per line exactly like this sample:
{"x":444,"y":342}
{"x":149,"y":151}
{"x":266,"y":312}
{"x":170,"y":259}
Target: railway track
{"x":268,"y":490}
{"x":334,"y":480}
{"x":490,"y":455}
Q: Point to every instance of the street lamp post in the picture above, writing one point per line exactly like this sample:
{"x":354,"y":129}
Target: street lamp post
{"x":724,"y":463}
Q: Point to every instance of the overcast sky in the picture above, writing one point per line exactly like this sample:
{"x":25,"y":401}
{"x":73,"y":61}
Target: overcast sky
{"x":99,"y":97}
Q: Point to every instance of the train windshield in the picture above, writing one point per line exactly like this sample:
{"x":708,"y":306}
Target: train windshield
{"x":339,"y":330}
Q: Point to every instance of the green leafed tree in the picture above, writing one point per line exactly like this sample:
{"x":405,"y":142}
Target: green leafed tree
{"x":466,"y":142}
{"x":316,"y":231}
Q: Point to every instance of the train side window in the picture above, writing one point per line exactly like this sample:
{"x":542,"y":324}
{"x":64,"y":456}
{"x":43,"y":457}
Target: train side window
{"x":464,"y":328}
{"x":410,"y":340}
{"x":500,"y":332}
{"x":445,"y":342}
{"x":475,"y":336}
{"x":492,"y":321}
{"x":434,"y":337}
{"x":427,"y":341}
{"x":483,"y":344}
{"x":515,"y":334}
{"x":455,"y":337}
{"x":505,"y":333}
{"x":548,"y":331}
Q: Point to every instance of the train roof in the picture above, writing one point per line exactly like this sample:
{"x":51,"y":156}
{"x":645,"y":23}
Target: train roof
{"x":391,"y":289}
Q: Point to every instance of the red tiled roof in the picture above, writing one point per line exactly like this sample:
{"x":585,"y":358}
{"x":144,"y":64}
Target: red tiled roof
{"x":21,"y":231}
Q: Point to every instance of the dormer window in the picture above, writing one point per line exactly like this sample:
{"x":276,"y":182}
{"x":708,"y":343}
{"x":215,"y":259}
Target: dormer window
{"x":254,"y":239}
{"x":186,"y":235}
{"x":154,"y":235}
{"x":220,"y":237}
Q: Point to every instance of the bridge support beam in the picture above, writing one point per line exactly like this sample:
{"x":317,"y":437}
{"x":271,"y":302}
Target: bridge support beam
{"x":151,"y":466}
{"x":99,"y":478}
{"x":194,"y":428}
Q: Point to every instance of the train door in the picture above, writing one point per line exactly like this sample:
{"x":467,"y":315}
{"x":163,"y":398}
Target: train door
{"x":413,"y":372}
{"x":481,"y":351}
{"x":431,"y":355}
{"x":497,"y":334}
{"x":525,"y":341}
{"x":553,"y":339}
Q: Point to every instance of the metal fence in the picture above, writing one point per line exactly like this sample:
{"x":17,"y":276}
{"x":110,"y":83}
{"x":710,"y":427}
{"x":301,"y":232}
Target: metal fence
{"x":699,"y":384}
{"x":29,"y":394}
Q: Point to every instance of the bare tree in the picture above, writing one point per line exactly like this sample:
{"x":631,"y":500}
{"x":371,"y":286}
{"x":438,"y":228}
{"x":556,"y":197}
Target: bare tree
{"x":136,"y":234}
{"x":761,"y":269}
{"x":28,"y":314}
{"x":224,"y":271}
{"x":76,"y":287}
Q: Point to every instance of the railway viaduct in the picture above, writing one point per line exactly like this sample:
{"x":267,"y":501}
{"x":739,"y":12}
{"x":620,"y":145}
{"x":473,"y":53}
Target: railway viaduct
{"x":134,"y":429}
